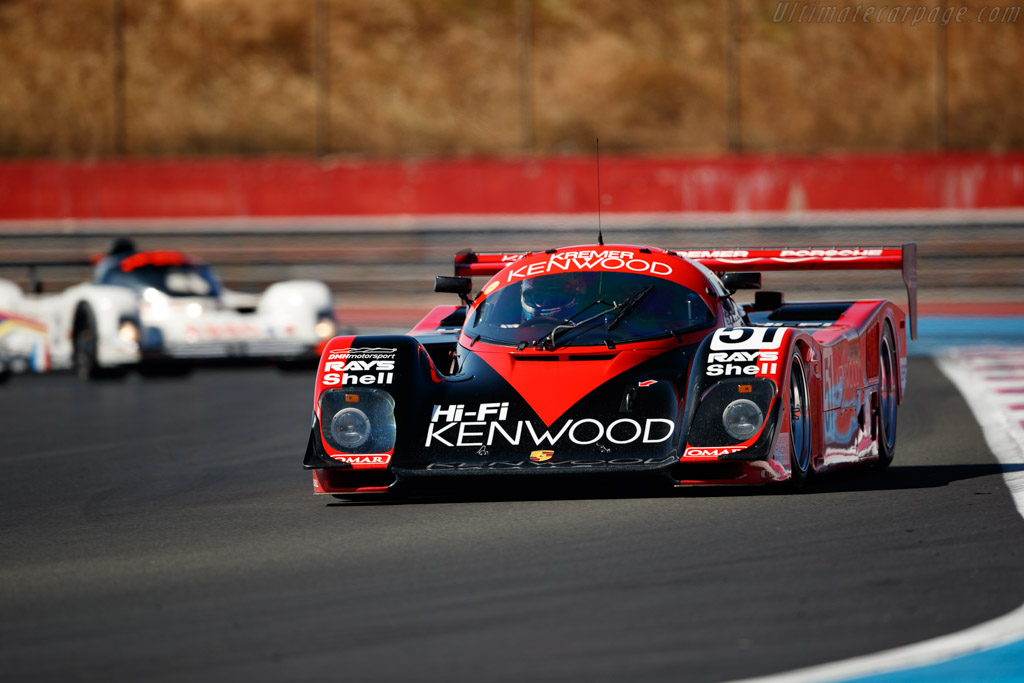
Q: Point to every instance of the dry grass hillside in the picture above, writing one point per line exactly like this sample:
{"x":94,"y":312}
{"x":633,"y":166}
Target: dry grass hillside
{"x":385,"y":78}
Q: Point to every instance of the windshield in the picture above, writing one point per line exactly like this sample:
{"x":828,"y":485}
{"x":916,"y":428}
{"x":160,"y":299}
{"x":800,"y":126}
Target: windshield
{"x":587,"y":309}
{"x":184,"y":280}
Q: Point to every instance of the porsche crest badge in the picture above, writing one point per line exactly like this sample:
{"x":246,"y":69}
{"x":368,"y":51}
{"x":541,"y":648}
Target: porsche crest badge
{"x":541,"y":456}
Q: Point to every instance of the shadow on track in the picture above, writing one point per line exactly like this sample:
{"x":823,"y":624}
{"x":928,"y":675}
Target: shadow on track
{"x":522,"y":489}
{"x":907,"y":477}
{"x":894,"y":479}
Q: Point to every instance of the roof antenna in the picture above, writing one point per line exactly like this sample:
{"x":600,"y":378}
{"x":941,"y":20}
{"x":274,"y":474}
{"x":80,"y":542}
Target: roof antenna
{"x":597,"y":149}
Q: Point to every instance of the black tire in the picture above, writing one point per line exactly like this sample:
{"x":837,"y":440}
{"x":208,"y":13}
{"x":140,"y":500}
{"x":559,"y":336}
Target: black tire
{"x":888,"y":399}
{"x":799,"y":424}
{"x":85,"y":361}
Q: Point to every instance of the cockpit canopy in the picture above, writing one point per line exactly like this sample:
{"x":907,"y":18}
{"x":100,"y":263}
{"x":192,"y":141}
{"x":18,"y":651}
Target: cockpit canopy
{"x":587,"y":309}
{"x":168,"y":272}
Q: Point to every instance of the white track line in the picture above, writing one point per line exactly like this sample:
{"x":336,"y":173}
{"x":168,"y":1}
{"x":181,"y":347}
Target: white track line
{"x":977,"y":374}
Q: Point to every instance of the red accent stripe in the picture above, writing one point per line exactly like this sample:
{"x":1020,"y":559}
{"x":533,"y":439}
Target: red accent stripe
{"x":551,"y":389}
{"x":154,"y":258}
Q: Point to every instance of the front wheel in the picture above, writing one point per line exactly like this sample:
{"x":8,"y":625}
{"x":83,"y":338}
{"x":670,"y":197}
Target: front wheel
{"x":86,"y":364}
{"x":85,"y":359}
{"x":799,"y":424}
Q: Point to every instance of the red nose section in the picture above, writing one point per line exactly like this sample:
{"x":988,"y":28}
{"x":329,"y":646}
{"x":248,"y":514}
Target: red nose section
{"x":551,"y":383}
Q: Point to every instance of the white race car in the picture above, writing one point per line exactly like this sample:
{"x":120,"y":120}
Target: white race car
{"x":164,"y":310}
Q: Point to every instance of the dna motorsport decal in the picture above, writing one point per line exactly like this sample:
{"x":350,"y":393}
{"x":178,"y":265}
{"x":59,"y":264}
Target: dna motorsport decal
{"x":487,"y":424}
{"x":360,"y":366}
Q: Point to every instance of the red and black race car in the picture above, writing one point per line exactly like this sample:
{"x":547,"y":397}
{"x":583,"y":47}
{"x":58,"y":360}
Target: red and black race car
{"x":614,"y":360}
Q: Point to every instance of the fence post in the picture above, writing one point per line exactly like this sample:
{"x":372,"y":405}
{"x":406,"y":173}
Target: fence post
{"x":941,"y":75}
{"x":733,"y":131}
{"x":322,"y":77}
{"x":119,"y":78}
{"x":524,"y":23}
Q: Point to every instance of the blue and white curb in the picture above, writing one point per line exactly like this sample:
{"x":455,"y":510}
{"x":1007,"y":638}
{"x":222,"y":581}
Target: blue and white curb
{"x":991,"y":380}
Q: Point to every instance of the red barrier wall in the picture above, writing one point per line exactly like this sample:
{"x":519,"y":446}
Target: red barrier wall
{"x":295,"y":187}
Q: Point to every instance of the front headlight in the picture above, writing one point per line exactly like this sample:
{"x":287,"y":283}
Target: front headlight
{"x":350,"y":427}
{"x":128,"y":332}
{"x":358,"y":420}
{"x":325,"y":327}
{"x":742,"y":419}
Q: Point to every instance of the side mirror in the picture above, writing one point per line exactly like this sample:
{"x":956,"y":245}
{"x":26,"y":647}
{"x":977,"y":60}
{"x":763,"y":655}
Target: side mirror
{"x":453,"y":284}
{"x":735,"y":281}
{"x":768,"y":301}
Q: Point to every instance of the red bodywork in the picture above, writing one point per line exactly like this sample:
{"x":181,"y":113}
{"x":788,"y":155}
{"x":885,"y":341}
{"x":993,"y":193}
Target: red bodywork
{"x":841,"y":358}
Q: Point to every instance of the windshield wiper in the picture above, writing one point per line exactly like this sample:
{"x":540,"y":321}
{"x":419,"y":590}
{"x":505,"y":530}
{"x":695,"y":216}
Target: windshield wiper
{"x":547,"y":342}
{"x":628,"y":305}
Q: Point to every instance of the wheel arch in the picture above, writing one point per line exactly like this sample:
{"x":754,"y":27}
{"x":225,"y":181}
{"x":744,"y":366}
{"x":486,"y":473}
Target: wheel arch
{"x":899,"y":352}
{"x":83,"y":316}
{"x":815,"y":386}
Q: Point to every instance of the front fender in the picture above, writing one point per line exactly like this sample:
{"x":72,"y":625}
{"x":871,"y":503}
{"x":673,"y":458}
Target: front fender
{"x":376,"y":375}
{"x":107,"y":307}
{"x":741,"y":363}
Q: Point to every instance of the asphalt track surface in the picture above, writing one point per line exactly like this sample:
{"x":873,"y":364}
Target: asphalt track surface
{"x":164,"y":530}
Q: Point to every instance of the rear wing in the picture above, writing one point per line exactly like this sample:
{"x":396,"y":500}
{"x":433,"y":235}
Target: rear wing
{"x":469,"y":263}
{"x":903,"y":258}
{"x":33,"y":269}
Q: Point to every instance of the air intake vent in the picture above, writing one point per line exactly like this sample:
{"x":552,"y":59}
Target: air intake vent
{"x":555,"y":357}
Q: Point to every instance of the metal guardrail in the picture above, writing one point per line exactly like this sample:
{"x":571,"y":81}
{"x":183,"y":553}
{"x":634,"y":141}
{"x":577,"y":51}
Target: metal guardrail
{"x":393,"y":265}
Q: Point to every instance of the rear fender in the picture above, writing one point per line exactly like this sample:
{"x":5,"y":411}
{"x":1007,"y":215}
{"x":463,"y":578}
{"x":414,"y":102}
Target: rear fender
{"x":11,"y":296}
{"x":297,"y":305}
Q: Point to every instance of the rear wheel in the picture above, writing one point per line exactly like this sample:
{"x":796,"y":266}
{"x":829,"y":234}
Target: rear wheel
{"x":888,"y":399}
{"x":799,"y":424}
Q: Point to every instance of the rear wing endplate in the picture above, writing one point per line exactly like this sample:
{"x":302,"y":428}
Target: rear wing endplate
{"x":469,"y":263}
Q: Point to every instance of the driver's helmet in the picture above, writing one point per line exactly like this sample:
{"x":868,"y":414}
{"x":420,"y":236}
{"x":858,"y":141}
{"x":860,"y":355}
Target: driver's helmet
{"x":556,"y":296}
